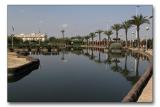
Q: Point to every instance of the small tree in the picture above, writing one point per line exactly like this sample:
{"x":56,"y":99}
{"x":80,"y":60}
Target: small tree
{"x":92,"y":35}
{"x":108,"y":34}
{"x":116,"y":27}
{"x":126,"y":25}
{"x":99,"y":34}
{"x":87,"y":37}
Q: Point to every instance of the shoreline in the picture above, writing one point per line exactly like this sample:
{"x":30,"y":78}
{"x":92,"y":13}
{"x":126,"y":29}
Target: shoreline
{"x":142,"y":90}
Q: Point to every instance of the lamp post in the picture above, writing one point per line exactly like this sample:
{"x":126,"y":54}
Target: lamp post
{"x":12,"y":39}
{"x":137,"y":9}
{"x":136,"y":36}
{"x":39,"y":32}
{"x":12,"y":36}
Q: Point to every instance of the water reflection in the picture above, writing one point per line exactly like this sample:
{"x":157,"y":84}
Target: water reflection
{"x":112,"y":61}
{"x":88,"y":74}
{"x":63,"y":56}
{"x":92,"y":56}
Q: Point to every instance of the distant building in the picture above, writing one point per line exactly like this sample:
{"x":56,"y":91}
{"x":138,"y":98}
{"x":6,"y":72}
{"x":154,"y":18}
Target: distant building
{"x":32,"y":36}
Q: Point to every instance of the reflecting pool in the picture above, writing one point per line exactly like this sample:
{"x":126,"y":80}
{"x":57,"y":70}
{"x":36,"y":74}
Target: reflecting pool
{"x":86,"y":75}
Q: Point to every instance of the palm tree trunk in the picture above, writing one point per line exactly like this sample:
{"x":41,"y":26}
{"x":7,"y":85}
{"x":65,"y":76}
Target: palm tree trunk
{"x":138,"y":38}
{"x":92,"y":41}
{"x":99,"y":38}
{"x":116,"y":36}
{"x":108,"y":41}
{"x":126,"y":39}
{"x":63,"y":38}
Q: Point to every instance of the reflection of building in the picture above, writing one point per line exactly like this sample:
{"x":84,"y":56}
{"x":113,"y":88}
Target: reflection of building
{"x":32,"y":36}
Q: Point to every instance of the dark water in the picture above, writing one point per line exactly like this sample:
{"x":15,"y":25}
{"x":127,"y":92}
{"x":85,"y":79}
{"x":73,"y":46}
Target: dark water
{"x":81,"y":75}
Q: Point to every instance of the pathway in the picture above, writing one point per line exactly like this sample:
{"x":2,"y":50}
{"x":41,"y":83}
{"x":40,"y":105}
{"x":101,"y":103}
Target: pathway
{"x":14,"y":61}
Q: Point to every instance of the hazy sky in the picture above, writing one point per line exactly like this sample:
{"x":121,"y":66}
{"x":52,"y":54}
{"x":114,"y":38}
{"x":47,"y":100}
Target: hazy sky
{"x":76,"y":20}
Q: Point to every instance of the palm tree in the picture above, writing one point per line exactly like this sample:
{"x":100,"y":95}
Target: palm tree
{"x":138,"y":21}
{"x":99,"y":33}
{"x":108,"y":33}
{"x":116,"y":27}
{"x":126,"y":25}
{"x":63,"y":34}
{"x":92,"y":35}
{"x":87,"y":37}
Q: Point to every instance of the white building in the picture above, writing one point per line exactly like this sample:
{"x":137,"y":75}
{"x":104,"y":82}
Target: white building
{"x":32,"y":36}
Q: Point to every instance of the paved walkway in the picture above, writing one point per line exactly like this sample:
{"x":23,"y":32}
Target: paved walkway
{"x":146,"y":95}
{"x":14,"y":61}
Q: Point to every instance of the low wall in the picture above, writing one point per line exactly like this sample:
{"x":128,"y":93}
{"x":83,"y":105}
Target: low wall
{"x":137,"y":89}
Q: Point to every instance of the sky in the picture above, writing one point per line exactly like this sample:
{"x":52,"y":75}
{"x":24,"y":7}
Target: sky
{"x":75,"y":19}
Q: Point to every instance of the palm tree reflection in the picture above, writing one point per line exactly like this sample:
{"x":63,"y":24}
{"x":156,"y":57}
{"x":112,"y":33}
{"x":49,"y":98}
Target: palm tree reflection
{"x":125,"y":70}
{"x":115,"y":67}
{"x":108,"y":61}
{"x":92,"y":56}
{"x":99,"y":57}
{"x":87,"y":52}
{"x":63,"y":56}
{"x":112,"y":61}
{"x":133,"y":78}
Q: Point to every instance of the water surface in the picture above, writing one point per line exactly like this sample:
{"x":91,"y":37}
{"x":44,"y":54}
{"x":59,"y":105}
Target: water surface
{"x":79,"y":75}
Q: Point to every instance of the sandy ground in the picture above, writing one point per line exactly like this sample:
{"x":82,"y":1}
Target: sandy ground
{"x":146,"y":95}
{"x":14,"y":61}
